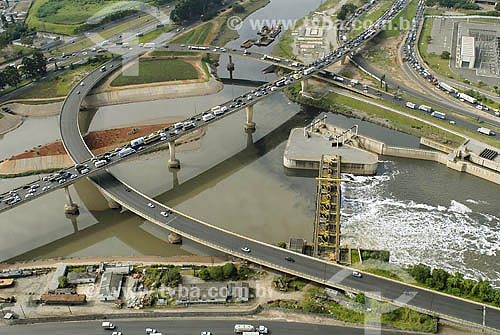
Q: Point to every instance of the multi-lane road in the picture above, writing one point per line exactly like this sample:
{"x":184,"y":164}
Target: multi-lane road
{"x":181,"y":327}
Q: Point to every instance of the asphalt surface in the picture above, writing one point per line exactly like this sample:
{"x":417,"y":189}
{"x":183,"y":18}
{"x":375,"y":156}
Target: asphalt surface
{"x":180,"y":327}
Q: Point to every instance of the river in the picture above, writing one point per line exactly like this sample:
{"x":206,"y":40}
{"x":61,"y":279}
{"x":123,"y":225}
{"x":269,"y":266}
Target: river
{"x":420,"y":211}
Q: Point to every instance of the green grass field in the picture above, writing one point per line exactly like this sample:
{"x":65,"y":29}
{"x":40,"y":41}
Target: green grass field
{"x":155,"y":33}
{"x":195,"y":36}
{"x":365,"y":20}
{"x":163,"y":53}
{"x":58,"y":86}
{"x":402,"y":20}
{"x":158,"y":70}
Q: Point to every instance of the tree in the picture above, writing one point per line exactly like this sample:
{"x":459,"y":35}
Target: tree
{"x":445,"y":55}
{"x":281,"y":245}
{"x":229,"y":270}
{"x":12,"y":76}
{"x":440,"y":278}
{"x":4,"y":21}
{"x":420,"y":272}
{"x":237,"y":8}
{"x":172,"y":277}
{"x":204,"y":274}
{"x":497,"y":7}
{"x":63,"y":281}
{"x":216,"y":273}
{"x":360,"y":298}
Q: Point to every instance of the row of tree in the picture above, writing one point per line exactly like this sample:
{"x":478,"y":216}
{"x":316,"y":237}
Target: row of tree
{"x":186,"y":10}
{"x":455,"y":284}
{"x":32,"y":67}
{"x":225,"y":272}
{"x":464,"y":4}
{"x":12,"y":32}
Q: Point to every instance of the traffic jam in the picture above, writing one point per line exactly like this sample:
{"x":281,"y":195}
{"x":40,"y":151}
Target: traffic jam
{"x":169,"y":134}
{"x":410,"y":57}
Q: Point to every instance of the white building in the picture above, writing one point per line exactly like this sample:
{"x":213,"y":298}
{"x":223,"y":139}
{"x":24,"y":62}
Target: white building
{"x":467,"y":52}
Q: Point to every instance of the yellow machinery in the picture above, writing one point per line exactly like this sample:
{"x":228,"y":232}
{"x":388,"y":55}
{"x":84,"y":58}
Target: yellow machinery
{"x":326,"y":232}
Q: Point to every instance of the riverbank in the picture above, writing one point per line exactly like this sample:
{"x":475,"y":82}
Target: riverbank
{"x":9,"y":122}
{"x":52,"y":156}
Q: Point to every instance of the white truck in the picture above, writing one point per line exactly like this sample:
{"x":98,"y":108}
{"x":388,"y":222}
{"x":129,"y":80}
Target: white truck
{"x":108,"y":325}
{"x":467,"y":98}
{"x":240,"y":329}
{"x":410,"y":105}
{"x":425,"y":108}
{"x":263,"y":330}
{"x":485,"y":131}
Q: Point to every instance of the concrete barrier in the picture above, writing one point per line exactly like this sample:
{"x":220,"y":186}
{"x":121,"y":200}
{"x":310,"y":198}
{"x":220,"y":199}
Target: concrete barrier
{"x":144,"y":315}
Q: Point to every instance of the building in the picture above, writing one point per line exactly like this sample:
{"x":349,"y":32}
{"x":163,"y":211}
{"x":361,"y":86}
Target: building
{"x":63,"y":299}
{"x":6,"y":282}
{"x":111,"y":286}
{"x":212,"y":292}
{"x":467,"y":52}
{"x":78,"y":277}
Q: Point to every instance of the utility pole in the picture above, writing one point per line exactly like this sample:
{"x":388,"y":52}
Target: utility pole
{"x":484,"y":315}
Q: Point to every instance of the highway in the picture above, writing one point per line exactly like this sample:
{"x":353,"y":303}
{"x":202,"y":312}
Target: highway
{"x":181,"y":327}
{"x":261,"y":253}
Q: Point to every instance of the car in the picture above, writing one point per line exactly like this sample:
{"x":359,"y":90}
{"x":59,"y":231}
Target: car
{"x":206,"y":332}
{"x":151,"y":205}
{"x":245,"y":249}
{"x":357,"y":274}
{"x":290,"y":259}
{"x":82,"y":84}
{"x":127,"y":189}
{"x":78,"y":92}
{"x":116,"y":333}
{"x":165,"y":214}
{"x":73,"y":176}
{"x":452,"y":122}
{"x":84,"y":171}
{"x":61,"y":181}
{"x":46,"y":188}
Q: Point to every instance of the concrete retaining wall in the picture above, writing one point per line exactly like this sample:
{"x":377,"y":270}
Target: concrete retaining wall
{"x":35,"y":163}
{"x":484,"y":162}
{"x":414,"y":153}
{"x":435,"y":145}
{"x":165,"y":91}
{"x":145,"y":315}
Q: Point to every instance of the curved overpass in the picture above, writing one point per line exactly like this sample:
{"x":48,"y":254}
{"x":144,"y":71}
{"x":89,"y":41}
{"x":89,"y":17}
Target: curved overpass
{"x":268,"y":255}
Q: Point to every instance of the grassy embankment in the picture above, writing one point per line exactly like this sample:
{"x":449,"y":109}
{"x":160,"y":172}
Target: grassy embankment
{"x":27,"y":173}
{"x":354,"y":108}
{"x":435,"y":62}
{"x":316,"y":300}
{"x":104,"y":35}
{"x":402,"y":21}
{"x":158,"y":70}
{"x":67,"y":17}
{"x":59,"y":86}
{"x":152,"y":35}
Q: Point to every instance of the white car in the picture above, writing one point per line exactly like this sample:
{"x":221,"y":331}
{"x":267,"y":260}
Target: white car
{"x":357,"y":274}
{"x":245,"y":249}
{"x":116,"y":333}
{"x":165,"y":214}
{"x":206,"y":332}
{"x":151,"y":205}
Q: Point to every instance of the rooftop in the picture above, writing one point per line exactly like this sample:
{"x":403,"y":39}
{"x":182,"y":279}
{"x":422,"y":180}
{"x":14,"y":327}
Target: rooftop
{"x":467,"y":49}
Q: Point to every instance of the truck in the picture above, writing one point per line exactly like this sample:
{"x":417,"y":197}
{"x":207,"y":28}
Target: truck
{"x":239,"y":329}
{"x":149,"y":45}
{"x":354,"y":82}
{"x":263,"y":330}
{"x":250,"y":333}
{"x":108,"y":325}
{"x":281,"y":82}
{"x":444,"y":86}
{"x":309,"y":70}
{"x":339,"y":79}
{"x":137,"y":142}
{"x":100,"y":163}
{"x":425,"y":108}
{"x":410,"y":105}
{"x":207,"y":117}
{"x":439,"y":115}
{"x":126,"y":152}
{"x":151,"y":138}
{"x":485,"y":131}
{"x":467,"y":98}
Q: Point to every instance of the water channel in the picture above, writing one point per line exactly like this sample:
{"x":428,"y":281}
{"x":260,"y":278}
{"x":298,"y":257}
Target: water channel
{"x":420,"y":211}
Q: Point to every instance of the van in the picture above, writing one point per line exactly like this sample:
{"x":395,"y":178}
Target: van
{"x":207,"y":117}
{"x":108,"y":325}
{"x":178,"y":125}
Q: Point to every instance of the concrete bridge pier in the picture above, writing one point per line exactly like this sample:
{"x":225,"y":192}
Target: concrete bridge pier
{"x":344,"y":60}
{"x":173,"y":162}
{"x":174,"y":238}
{"x":113,"y":204}
{"x":249,"y":124}
{"x":70,"y":207}
{"x":304,"y":83}
{"x":230,"y":67}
